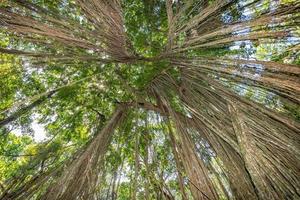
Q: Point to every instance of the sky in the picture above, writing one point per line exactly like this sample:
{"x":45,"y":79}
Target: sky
{"x":39,"y":131}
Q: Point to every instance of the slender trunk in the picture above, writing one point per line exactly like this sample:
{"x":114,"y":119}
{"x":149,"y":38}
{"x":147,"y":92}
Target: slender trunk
{"x":136,"y":166}
{"x":76,"y":179}
{"x":202,"y":187}
{"x":26,"y":109}
{"x":146,"y":160}
{"x":29,"y":187}
{"x":177,"y":162}
{"x":130,"y":185}
{"x":39,"y":100}
{"x":161,"y":189}
{"x":115,"y":176}
{"x":170,"y":24}
{"x":108,"y":189}
{"x":119,"y":179}
{"x":227,"y":149}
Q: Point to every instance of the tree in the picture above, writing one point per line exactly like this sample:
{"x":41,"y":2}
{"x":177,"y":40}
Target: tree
{"x":155,"y":99}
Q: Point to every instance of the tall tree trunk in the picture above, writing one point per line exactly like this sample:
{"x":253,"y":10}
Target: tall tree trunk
{"x":76,"y":179}
{"x":108,"y":189}
{"x":200,"y":183}
{"x":146,"y":161}
{"x":115,"y":176}
{"x":262,"y":165}
{"x":177,"y":162}
{"x":119,"y":179}
{"x":136,"y":166}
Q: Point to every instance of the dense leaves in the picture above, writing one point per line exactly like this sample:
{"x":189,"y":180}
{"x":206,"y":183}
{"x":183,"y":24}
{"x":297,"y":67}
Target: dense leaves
{"x":151,"y":99}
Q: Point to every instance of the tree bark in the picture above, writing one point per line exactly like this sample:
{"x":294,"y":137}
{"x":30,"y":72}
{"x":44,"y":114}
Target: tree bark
{"x":136,"y":166}
{"x":26,"y":109}
{"x":177,"y":162}
{"x":75,"y":181}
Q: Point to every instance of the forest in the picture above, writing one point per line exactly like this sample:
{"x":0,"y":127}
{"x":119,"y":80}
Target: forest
{"x":149,"y":99}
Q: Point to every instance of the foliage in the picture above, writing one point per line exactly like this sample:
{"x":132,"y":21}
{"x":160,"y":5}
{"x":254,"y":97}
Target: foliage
{"x":156,"y":99}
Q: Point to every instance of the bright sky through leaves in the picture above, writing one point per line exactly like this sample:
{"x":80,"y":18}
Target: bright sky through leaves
{"x":149,"y":99}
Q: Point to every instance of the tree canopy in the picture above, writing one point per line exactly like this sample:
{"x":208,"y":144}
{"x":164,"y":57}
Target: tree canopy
{"x":149,"y":99}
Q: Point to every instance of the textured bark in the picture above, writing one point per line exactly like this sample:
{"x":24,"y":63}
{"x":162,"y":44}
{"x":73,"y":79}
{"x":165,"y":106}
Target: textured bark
{"x":257,"y":148}
{"x":260,"y":164}
{"x":179,"y":166}
{"x":271,"y":152}
{"x":136,"y":167}
{"x":200,"y":184}
{"x":80,"y":178}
